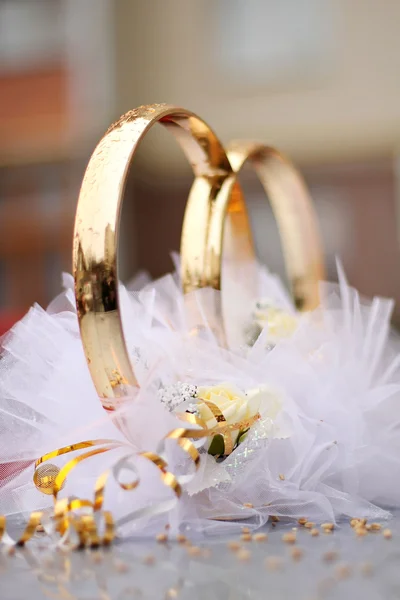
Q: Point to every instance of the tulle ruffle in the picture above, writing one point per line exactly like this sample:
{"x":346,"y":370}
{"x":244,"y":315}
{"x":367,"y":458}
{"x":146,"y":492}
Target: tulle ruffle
{"x":337,"y":378}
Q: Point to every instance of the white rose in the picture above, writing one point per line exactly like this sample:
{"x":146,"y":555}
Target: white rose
{"x":272,"y":418}
{"x":280,"y":323}
{"x":236,"y":408}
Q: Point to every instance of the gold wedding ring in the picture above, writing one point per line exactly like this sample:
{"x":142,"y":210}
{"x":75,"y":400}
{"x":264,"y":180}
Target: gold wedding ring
{"x":294,"y":213}
{"x":226,"y":244}
{"x":97,"y":232}
{"x":293,"y":210}
{"x":215,"y":206}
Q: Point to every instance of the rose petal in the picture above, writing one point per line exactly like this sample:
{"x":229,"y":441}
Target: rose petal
{"x":230,"y":413}
{"x":242,"y":413}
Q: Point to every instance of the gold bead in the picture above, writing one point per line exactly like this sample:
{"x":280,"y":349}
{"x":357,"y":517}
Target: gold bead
{"x":45,"y":477}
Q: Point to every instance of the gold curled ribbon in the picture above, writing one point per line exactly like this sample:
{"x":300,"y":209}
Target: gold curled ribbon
{"x":83,"y":522}
{"x":222,"y":428}
{"x":30,"y":529}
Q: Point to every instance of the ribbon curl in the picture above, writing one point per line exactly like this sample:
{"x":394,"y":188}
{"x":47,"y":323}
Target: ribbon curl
{"x":82,"y":522}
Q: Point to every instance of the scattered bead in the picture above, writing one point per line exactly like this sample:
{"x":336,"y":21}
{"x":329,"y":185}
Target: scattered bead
{"x":275,"y":519}
{"x":302,"y":521}
{"x":387,"y":534}
{"x":327,"y":527}
{"x":358,"y":523}
{"x":40,"y":529}
{"x":245,"y":530}
{"x":234,"y":546}
{"x":248,"y":505}
{"x":354,"y":522}
{"x":243,"y":554}
{"x":281,"y":477}
{"x":296,"y":553}
{"x":343,"y":571}
{"x":161,"y":538}
{"x":181,"y":539}
{"x":294,"y":528}
{"x":289,"y":538}
{"x":274,"y":563}
{"x":172,"y":593}
{"x":246,"y":537}
{"x":194,"y":551}
{"x":375,"y":526}
{"x":314,"y":532}
{"x":330,"y":556}
{"x":309,"y":525}
{"x":367,"y":569}
{"x":121,"y":566}
{"x":360,"y":531}
{"x":260,"y":537}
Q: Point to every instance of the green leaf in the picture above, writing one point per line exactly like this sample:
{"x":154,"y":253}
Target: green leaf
{"x":241,"y":436}
{"x":217,"y":446}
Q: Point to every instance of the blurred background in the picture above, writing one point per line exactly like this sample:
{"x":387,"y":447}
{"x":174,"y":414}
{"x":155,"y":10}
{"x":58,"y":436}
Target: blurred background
{"x":317,"y":78}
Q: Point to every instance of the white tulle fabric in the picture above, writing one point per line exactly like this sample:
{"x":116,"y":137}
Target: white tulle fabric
{"x":335,"y":447}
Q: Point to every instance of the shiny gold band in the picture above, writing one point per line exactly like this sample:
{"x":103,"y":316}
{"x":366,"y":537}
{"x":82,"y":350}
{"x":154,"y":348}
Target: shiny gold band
{"x":294,"y":213}
{"x":97,"y":231}
{"x":215,"y":204}
{"x":295,"y":216}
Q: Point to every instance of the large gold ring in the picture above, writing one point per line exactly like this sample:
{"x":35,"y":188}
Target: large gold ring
{"x":97,"y":231}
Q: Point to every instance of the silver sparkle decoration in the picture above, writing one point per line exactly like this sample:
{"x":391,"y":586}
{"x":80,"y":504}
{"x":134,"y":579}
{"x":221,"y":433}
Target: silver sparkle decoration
{"x":173,"y":395}
{"x":240,"y":460}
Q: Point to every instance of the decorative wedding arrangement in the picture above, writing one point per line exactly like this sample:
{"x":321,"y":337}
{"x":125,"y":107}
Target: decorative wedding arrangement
{"x":227,"y":400}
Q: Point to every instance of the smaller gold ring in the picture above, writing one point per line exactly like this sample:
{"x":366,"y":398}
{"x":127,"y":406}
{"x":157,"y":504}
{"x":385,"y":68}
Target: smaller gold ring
{"x":228,"y":234}
{"x":294,"y":213}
